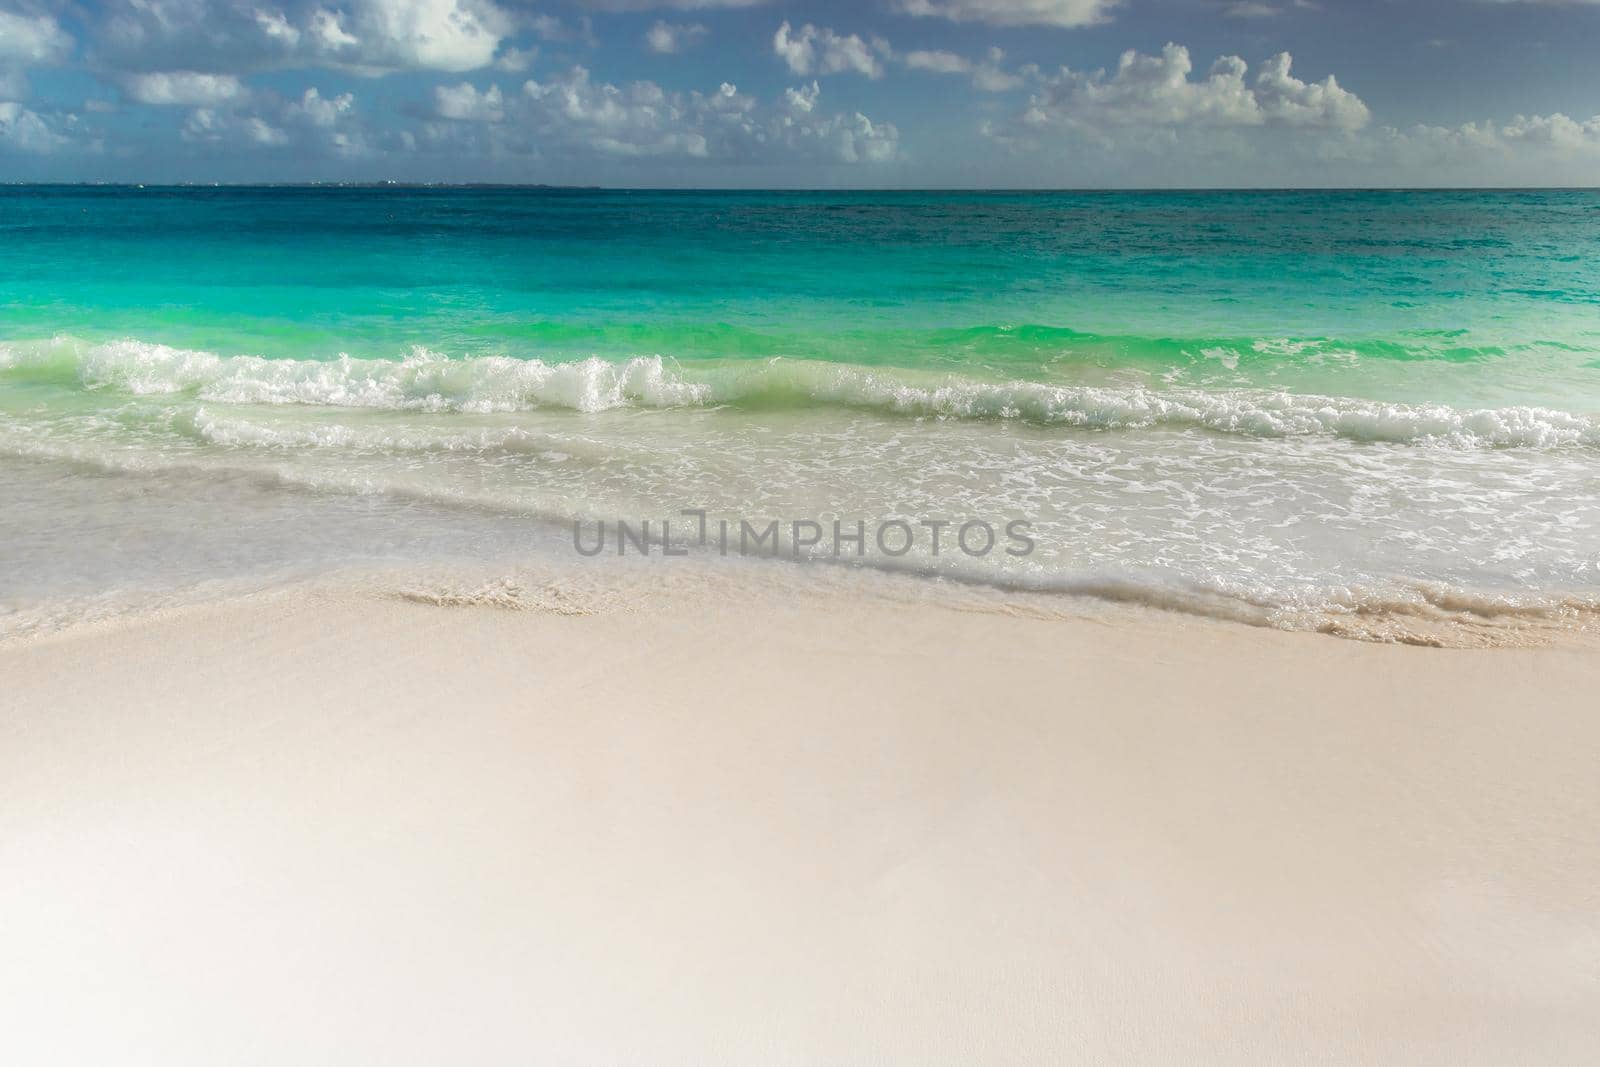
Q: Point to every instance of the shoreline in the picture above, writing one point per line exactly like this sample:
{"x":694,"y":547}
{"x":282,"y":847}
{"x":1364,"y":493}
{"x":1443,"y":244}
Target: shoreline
{"x":1429,"y":616}
{"x":369,"y":828}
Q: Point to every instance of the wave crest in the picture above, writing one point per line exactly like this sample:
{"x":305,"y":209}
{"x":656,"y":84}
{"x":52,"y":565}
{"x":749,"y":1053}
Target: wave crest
{"x":427,"y":381}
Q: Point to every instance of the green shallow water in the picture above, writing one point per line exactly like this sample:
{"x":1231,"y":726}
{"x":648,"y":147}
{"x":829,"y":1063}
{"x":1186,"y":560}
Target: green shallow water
{"x":1306,"y":290}
{"x":1299,"y":399}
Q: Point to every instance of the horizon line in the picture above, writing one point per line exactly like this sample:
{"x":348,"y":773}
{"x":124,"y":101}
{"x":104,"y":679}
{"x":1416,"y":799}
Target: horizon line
{"x":558,"y":187}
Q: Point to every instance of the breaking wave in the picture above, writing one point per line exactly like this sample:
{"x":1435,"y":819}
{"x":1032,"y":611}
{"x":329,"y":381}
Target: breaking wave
{"x":427,"y":382}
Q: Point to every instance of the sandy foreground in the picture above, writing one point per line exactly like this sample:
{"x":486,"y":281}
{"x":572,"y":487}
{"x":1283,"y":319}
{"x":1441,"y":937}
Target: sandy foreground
{"x":321,"y":829}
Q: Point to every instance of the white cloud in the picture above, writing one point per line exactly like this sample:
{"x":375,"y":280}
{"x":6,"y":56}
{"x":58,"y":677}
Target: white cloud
{"x":259,"y":131}
{"x":310,"y":123}
{"x":464,"y":103}
{"x":26,"y":131}
{"x":852,"y":138}
{"x":1152,"y":123}
{"x":989,"y":78}
{"x":327,"y":33}
{"x":1556,"y":130}
{"x":365,"y":36}
{"x":32,"y":40}
{"x":1065,"y":13}
{"x":1526,"y":137}
{"x":670,"y":38}
{"x":573,"y":114}
{"x":640,"y":119}
{"x":823,"y":51}
{"x":516,"y":60}
{"x":205,"y":124}
{"x":277,"y":27}
{"x":938,"y":62}
{"x":677,"y":5}
{"x":988,"y":75}
{"x":448,"y":35}
{"x":1284,"y":98}
{"x":319,"y":110}
{"x":28,"y":41}
{"x":1251,"y":9}
{"x":1529,"y":150}
{"x":1157,"y":91}
{"x":185,"y":87}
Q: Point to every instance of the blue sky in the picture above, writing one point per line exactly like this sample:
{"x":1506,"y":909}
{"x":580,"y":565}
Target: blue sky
{"x":927,"y":93}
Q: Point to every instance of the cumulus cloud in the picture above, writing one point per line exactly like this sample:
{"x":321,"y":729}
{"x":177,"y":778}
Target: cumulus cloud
{"x":575,"y":113}
{"x":32,"y":41}
{"x":210,"y":125}
{"x":368,"y":37}
{"x":1064,"y":13}
{"x":797,"y":125}
{"x":1158,"y":91}
{"x":1556,"y":130}
{"x":1524,"y":136}
{"x":516,"y":60}
{"x":28,"y":41}
{"x":449,"y":35}
{"x":1152,"y":120}
{"x":1284,"y":98}
{"x":1531,"y":150}
{"x":640,"y":119}
{"x":321,"y":111}
{"x":822,"y":51}
{"x":182,"y":87}
{"x":988,"y":75}
{"x":22,"y":130}
{"x":310,"y":123}
{"x":669,"y":38}
{"x":464,"y":103}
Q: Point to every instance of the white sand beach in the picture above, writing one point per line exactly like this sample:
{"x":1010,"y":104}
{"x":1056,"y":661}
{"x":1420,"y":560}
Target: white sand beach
{"x":314,"y":829}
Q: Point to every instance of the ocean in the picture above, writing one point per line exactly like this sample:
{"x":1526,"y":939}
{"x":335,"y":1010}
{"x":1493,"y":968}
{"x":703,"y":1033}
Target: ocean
{"x":1306,"y":409}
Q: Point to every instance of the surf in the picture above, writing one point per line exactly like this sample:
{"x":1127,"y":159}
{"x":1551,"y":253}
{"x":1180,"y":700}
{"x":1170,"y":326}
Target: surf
{"x":429,"y":382}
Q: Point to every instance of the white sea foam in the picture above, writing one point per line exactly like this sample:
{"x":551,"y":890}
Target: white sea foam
{"x":1270,"y":508}
{"x":423,"y":380}
{"x":426,"y":381}
{"x":208,"y":424}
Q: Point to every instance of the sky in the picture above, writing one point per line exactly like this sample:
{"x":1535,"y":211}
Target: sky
{"x":763,"y":93}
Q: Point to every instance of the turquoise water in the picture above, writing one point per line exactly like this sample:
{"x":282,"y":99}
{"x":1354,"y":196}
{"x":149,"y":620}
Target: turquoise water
{"x":1286,"y":404}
